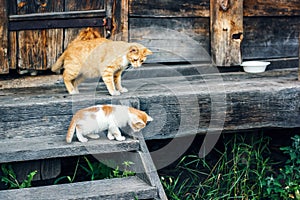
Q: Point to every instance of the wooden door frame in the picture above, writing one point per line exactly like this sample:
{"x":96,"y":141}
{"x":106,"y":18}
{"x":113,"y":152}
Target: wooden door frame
{"x":4,"y":61}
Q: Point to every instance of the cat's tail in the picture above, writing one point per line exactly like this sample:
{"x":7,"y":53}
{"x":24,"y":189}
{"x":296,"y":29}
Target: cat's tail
{"x":58,"y":65}
{"x":71,"y":130}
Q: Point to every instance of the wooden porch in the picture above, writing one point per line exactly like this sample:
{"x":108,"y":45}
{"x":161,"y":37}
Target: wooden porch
{"x":185,"y":93}
{"x":248,"y":101}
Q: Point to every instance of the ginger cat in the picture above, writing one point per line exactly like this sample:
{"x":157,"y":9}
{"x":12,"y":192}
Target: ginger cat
{"x":87,"y":34}
{"x":89,"y":56}
{"x":92,"y":120}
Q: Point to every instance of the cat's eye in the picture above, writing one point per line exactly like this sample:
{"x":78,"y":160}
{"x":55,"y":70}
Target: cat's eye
{"x":135,"y":60}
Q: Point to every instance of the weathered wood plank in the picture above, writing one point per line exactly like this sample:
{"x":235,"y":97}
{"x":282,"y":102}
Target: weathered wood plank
{"x":79,"y":5}
{"x":35,"y":46}
{"x":200,"y":8}
{"x":31,"y":54}
{"x":50,"y":168}
{"x":123,"y":188}
{"x":271,"y":8}
{"x":169,"y":100}
{"x":38,"y":148}
{"x":172,"y":40}
{"x":264,"y":40}
{"x":120,"y":20}
{"x":165,"y":8}
{"x":74,"y":5}
{"x":226,"y":32}
{"x":13,"y":50}
{"x":4,"y":65}
{"x":149,"y":167}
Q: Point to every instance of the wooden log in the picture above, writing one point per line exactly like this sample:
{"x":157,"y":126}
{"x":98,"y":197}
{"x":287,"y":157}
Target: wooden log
{"x":226,"y":32}
{"x":4,"y":65}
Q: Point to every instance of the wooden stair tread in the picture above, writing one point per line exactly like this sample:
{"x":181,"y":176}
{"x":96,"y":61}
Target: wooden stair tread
{"x":107,"y":189}
{"x":44,"y":147}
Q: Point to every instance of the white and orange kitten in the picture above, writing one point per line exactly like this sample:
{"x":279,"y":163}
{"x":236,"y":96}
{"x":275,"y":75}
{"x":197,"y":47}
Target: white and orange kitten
{"x":92,"y":120}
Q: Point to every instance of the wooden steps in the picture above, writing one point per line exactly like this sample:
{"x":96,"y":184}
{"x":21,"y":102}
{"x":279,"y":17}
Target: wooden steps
{"x":110,"y":189}
{"x":144,"y":185}
{"x":34,"y":120}
{"x":38,"y":148}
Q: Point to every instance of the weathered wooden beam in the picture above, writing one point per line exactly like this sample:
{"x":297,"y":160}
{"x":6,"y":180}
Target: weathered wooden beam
{"x":55,"y":23}
{"x":270,"y":37}
{"x":271,"y":8}
{"x":226,"y":31}
{"x":39,"y":148}
{"x":165,"y":8}
{"x":299,"y":60}
{"x":4,"y":66}
{"x":127,"y":188}
{"x":121,"y":20}
{"x":252,"y":101}
{"x":200,"y":8}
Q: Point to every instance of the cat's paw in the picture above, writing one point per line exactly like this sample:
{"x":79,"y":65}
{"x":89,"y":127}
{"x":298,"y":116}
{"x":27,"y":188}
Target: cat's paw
{"x":83,"y":140}
{"x":120,"y":138}
{"x":123,"y":90}
{"x":74,"y":92}
{"x":93,"y":136}
{"x":115,"y":93}
{"x":110,"y":136}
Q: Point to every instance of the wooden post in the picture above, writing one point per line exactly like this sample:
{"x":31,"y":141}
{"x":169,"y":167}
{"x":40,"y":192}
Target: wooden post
{"x":226,"y":22}
{"x":299,"y":58}
{"x":120,"y":19}
{"x":4,"y":66}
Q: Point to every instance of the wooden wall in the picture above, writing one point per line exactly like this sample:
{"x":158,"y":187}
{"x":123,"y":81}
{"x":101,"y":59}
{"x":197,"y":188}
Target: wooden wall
{"x":271,"y":27}
{"x":39,"y":49}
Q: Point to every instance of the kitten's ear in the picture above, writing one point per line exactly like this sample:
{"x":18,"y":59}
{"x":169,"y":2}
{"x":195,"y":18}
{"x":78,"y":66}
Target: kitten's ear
{"x":133,"y":49}
{"x":140,"y":123}
{"x":147,"y":52}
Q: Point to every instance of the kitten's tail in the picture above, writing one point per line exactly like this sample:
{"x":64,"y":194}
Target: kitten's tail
{"x":58,"y":65}
{"x":71,"y":130}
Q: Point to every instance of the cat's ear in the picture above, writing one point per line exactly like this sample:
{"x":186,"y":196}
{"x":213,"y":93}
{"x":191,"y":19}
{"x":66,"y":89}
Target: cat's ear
{"x":147,"y":52}
{"x":149,"y":119}
{"x":133,"y":49}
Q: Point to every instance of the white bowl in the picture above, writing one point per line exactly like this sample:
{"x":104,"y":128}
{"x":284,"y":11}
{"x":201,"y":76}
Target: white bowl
{"x":255,"y":66}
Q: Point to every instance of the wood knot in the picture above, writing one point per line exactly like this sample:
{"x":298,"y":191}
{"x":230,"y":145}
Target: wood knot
{"x":224,"y":4}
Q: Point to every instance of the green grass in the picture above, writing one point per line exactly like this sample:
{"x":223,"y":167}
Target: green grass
{"x":96,"y":170}
{"x":242,"y":170}
{"x":10,"y":179}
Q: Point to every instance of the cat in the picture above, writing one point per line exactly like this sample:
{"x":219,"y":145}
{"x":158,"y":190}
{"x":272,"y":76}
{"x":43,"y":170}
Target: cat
{"x":87,"y":34}
{"x":91,"y":58}
{"x":92,"y":120}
